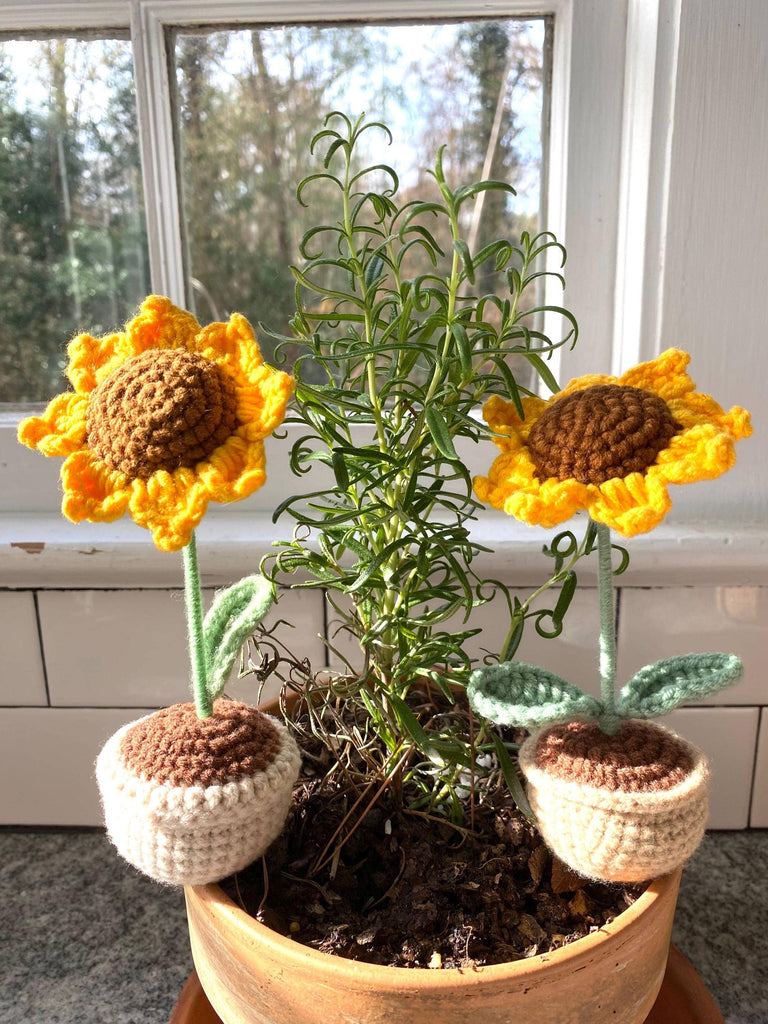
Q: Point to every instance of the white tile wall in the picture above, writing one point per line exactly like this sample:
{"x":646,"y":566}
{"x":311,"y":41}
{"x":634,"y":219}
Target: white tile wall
{"x":660,"y":623}
{"x":114,"y":648}
{"x":128,"y":648}
{"x":48,"y":757}
{"x":22,"y":678}
{"x":728,"y":737}
{"x":111,"y":654}
{"x":759,"y":815}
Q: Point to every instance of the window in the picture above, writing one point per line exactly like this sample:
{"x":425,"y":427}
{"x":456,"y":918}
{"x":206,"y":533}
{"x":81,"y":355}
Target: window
{"x":166,"y":202}
{"x":72,"y":224}
{"x":216,"y":174}
{"x":249,"y":100}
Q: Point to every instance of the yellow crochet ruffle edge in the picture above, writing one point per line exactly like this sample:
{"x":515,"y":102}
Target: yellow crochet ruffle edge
{"x":169,"y":504}
{"x":702,"y":450}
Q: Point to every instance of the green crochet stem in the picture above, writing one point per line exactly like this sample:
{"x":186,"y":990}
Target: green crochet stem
{"x":193,"y":599}
{"x":609,"y":720}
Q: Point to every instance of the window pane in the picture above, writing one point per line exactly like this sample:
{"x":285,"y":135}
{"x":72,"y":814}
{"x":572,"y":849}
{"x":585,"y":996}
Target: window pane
{"x":249,"y":101}
{"x":73,"y":251}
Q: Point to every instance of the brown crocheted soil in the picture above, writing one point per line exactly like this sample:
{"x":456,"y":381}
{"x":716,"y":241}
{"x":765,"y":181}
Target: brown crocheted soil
{"x":601,"y":433}
{"x":639,"y":757}
{"x":163,"y":409}
{"x":177,"y":747}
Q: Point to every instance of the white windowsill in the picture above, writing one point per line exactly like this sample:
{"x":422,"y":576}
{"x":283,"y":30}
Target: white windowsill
{"x":44,"y":551}
{"x":40,"y":549}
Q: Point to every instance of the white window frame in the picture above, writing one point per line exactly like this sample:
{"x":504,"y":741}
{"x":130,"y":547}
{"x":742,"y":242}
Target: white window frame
{"x":612,"y":106}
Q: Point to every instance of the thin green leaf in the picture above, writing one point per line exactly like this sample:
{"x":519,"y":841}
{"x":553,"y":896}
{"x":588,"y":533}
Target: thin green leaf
{"x":567,"y":591}
{"x":659,"y":688}
{"x":232,"y":618}
{"x":462,"y":249}
{"x":624,"y":562}
{"x":373,"y":271}
{"x":543,"y":371}
{"x":459,"y":332}
{"x":556,"y":628}
{"x":511,"y":385}
{"x":465,"y":192}
{"x":340,"y":470}
{"x":440,"y":433}
{"x":311,"y":178}
{"x":512,"y":778}
{"x":513,"y":641}
{"x":515,"y":693}
{"x":374,"y":565}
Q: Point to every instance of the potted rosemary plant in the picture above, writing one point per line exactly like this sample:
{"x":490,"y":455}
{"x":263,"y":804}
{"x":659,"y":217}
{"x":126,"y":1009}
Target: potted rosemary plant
{"x":408,"y":812}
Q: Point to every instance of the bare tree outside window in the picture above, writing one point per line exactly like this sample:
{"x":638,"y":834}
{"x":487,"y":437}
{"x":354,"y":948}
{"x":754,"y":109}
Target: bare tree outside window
{"x":249,"y":101}
{"x":73,"y":248}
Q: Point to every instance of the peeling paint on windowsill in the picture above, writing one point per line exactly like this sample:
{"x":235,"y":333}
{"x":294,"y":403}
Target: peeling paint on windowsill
{"x":31,"y":547}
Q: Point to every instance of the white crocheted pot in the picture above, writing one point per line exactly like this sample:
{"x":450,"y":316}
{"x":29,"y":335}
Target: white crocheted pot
{"x":188,"y":800}
{"x":624,"y":808}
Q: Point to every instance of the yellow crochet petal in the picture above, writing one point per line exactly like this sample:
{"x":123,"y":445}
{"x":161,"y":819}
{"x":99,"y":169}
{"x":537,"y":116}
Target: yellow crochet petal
{"x":513,"y":487}
{"x":262,"y":392}
{"x":630,"y":505}
{"x":261,"y":405}
{"x":61,"y":428}
{"x":553,"y":503}
{"x":665,"y":376}
{"x":170,"y":505}
{"x":693,"y":409}
{"x":701,"y":453}
{"x":235,"y":470}
{"x":737,"y":422}
{"x":91,"y":360}
{"x":697,"y":408}
{"x":502,"y":417}
{"x":159,"y":324}
{"x":234,"y":342}
{"x":511,"y":471}
{"x":92,"y":491}
{"x":589,"y":380}
{"x":493,"y":489}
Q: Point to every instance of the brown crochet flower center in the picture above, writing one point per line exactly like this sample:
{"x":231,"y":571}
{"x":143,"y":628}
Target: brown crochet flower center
{"x":177,"y":747}
{"x":638,"y":757}
{"x":601,"y":433}
{"x":163,"y":409}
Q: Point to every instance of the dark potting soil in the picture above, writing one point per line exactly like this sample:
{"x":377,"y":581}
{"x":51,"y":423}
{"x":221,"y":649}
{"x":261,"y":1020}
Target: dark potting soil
{"x":406,"y":890}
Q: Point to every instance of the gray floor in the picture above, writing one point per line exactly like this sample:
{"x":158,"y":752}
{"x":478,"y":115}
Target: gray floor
{"x":84,"y":939}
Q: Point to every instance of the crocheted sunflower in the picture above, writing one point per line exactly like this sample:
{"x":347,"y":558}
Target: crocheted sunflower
{"x":165,"y":416}
{"x":610,"y":445}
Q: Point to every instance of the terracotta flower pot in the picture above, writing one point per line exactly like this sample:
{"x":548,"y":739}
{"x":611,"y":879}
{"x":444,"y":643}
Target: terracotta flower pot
{"x":252,"y":975}
{"x":683,"y":999}
{"x":622,"y":808}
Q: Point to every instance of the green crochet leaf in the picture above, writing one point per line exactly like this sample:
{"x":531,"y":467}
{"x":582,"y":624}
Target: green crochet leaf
{"x":232,"y":618}
{"x":662,"y":686}
{"x":514,"y":693}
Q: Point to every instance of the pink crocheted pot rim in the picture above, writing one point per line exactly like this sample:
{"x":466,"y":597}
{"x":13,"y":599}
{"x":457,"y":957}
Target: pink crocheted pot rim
{"x":639,"y":802}
{"x":195,"y":807}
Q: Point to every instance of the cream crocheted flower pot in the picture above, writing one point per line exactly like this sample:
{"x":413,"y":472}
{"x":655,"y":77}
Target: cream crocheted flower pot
{"x":189,"y":801}
{"x":608,"y":818}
